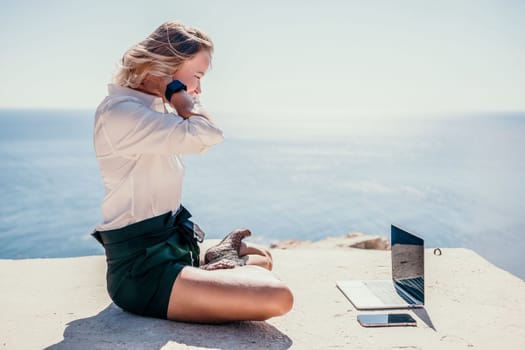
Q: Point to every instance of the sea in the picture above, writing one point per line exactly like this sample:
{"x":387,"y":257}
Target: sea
{"x":456,"y":180}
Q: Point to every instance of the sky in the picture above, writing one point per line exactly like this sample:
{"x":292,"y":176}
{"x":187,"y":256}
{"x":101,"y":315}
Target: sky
{"x":280,"y":57}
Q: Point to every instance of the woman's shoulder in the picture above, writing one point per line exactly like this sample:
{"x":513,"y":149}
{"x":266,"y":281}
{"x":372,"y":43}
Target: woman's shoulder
{"x":118,"y":104}
{"x":121,"y":98}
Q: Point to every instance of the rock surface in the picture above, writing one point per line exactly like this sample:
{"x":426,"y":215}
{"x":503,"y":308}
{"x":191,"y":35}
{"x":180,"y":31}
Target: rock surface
{"x":351,"y":240}
{"x":471,"y":304}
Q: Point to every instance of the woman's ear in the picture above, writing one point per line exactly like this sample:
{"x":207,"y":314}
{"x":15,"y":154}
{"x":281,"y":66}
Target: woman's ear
{"x":155,"y":85}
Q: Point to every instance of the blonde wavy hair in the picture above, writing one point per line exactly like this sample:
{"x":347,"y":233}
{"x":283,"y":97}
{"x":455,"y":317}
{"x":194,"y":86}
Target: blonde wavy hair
{"x":161,"y":53}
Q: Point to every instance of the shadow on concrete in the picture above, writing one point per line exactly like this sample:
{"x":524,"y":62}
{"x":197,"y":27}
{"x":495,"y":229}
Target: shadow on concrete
{"x":115,"y":329}
{"x":424,"y":316}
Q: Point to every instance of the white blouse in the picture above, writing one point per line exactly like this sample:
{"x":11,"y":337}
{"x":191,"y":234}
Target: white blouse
{"x":139,"y":147}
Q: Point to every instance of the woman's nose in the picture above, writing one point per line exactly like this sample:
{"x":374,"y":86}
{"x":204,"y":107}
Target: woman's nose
{"x":198,"y":88}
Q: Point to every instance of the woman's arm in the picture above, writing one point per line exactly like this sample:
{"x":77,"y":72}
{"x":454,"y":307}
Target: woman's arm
{"x":131,"y":128}
{"x":188,"y":106}
{"x":183,"y":103}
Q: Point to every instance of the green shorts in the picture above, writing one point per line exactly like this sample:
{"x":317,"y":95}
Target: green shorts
{"x":145,"y":258}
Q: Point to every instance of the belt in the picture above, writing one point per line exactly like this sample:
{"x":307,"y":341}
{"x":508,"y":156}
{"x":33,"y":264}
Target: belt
{"x":132,"y":239}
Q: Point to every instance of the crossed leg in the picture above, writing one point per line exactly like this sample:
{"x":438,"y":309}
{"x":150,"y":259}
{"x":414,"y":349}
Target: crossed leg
{"x":242,"y":293}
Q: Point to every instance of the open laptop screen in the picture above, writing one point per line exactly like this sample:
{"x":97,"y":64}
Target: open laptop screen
{"x":408,"y":265}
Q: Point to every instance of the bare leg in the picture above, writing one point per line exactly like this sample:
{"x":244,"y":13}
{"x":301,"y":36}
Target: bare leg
{"x":243,"y":293}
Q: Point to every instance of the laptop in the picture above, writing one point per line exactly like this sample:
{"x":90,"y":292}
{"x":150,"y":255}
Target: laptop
{"x":405,"y":290}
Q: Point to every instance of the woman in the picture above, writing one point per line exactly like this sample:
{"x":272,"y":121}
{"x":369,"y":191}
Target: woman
{"x":151,"y":245}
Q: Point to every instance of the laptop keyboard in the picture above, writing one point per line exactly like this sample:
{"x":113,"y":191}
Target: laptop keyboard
{"x":386,"y":292}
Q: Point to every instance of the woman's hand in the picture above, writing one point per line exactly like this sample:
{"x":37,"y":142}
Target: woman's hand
{"x":183,"y":103}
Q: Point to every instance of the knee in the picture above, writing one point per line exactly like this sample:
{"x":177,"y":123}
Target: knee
{"x":286,"y":300}
{"x":280,"y":302}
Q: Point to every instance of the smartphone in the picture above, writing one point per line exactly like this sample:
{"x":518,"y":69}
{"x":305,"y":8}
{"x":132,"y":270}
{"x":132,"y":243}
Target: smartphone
{"x":386,"y":320}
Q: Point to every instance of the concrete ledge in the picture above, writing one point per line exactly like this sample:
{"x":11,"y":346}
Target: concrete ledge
{"x":471,"y":304}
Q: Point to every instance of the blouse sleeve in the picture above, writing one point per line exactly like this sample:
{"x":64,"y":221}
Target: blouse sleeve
{"x":131,"y":127}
